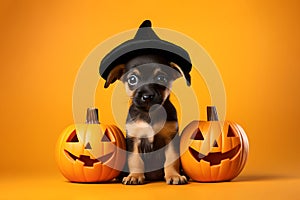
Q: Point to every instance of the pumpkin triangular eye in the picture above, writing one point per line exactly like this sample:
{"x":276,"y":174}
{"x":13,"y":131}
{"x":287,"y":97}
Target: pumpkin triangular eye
{"x":73,"y":137}
{"x":105,"y":137}
{"x":230,"y":132}
{"x":197,"y":135}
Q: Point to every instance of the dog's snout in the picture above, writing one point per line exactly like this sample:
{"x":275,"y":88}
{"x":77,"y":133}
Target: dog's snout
{"x":147,"y":97}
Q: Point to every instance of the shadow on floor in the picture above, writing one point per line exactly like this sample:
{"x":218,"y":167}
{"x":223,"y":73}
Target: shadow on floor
{"x":262,"y":177}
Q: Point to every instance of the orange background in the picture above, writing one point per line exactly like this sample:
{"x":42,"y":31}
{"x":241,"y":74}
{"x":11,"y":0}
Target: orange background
{"x":255,"y":45}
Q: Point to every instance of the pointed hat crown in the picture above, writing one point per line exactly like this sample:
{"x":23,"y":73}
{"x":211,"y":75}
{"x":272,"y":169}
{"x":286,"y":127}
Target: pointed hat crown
{"x":145,"y":32}
{"x":145,"y":41}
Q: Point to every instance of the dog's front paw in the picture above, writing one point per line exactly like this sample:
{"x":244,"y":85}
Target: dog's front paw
{"x":134,"y":179}
{"x":176,"y":180}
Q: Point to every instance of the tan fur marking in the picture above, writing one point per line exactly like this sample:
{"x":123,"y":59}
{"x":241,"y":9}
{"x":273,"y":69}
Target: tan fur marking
{"x":171,"y":166}
{"x":134,"y":71}
{"x":172,"y":161}
{"x":135,"y":162}
{"x":136,"y":166}
{"x":140,"y":129}
{"x":158,"y":70}
{"x":174,"y":65}
{"x":128,"y":91}
{"x":169,"y":130}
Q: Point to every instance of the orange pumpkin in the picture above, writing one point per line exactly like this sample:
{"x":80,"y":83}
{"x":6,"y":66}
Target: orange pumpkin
{"x":91,"y":152}
{"x":213,"y":151}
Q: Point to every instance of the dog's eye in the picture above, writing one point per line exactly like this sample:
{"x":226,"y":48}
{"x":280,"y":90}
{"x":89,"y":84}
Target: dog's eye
{"x":132,"y":80}
{"x":162,"y":79}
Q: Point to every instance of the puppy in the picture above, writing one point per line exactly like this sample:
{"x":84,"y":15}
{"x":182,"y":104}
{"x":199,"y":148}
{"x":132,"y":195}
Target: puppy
{"x":151,"y":126}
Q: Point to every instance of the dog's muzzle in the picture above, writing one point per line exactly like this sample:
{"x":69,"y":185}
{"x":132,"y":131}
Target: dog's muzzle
{"x":147,"y":95}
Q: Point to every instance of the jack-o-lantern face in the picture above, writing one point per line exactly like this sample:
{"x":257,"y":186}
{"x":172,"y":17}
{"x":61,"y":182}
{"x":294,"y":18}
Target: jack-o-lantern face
{"x":213,"y":151}
{"x":91,"y":152}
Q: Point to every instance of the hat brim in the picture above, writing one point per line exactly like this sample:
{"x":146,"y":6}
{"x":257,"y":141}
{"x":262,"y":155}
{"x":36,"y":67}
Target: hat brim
{"x":133,"y":48}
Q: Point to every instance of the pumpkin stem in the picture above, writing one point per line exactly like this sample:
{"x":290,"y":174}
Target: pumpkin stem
{"x":212,"y":114}
{"x":92,"y":116}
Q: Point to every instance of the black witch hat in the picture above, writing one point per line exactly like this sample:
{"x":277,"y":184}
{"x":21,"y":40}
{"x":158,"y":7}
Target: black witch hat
{"x":145,"y":42}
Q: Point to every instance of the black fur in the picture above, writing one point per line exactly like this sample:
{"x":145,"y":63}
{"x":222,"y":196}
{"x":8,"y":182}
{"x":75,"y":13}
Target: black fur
{"x":135,"y":113}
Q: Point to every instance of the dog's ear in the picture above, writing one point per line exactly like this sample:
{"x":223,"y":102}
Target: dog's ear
{"x":186,"y":75}
{"x":115,"y":74}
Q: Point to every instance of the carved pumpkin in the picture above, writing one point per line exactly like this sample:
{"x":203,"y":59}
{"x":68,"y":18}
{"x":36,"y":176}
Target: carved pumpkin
{"x":91,"y":152}
{"x":213,"y":151}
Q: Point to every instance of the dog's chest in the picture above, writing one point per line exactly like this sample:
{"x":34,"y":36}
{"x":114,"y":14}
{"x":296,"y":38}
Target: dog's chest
{"x":140,"y":129}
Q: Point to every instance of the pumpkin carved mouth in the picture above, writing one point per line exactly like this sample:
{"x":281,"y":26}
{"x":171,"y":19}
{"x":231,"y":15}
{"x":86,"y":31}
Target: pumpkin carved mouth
{"x":87,"y":160}
{"x":215,"y":158}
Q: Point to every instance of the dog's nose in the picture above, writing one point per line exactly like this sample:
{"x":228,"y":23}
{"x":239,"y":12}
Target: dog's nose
{"x":147,"y":97}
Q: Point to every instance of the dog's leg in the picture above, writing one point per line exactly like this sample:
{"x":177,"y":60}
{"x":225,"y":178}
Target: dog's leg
{"x":172,"y":165}
{"x":135,"y":165}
